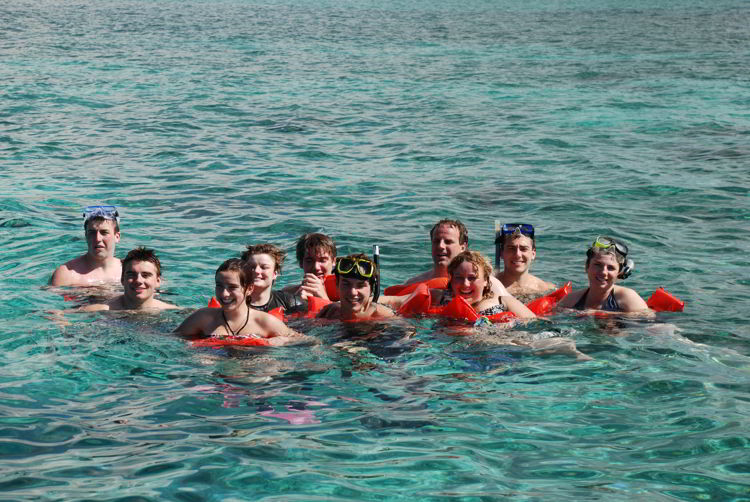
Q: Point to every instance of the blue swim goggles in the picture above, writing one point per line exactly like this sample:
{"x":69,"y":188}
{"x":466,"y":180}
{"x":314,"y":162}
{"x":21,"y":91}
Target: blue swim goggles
{"x":518,"y":228}
{"x":106,"y":212}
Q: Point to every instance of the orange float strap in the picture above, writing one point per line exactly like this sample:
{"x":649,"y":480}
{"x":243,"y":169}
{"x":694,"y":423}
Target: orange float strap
{"x":405,"y":289}
{"x":246,"y":341}
{"x":214,"y":303}
{"x":332,"y":290}
{"x":543,"y":305}
{"x":420,"y":302}
{"x":663,"y":301}
{"x":314,"y":305}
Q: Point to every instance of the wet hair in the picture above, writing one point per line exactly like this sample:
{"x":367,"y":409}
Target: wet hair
{"x":274,"y":252}
{"x":314,"y":242}
{"x":101,"y":218}
{"x":236,"y":265}
{"x":463,"y":233}
{"x":479,"y":262}
{"x":359,"y":256}
{"x":141,"y":254}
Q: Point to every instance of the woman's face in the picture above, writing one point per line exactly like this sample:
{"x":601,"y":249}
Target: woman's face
{"x":354,"y":294}
{"x":264,"y":271}
{"x":468,"y":282}
{"x":602,"y":271}
{"x":229,"y":291}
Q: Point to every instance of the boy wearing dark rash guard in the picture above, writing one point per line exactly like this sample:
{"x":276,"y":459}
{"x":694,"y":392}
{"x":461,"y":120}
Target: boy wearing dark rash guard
{"x":264,"y":263}
{"x":316,"y":256}
{"x":101,"y":225}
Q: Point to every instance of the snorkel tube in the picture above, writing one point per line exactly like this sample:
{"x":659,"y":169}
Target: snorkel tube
{"x":376,"y":261}
{"x":498,"y":243}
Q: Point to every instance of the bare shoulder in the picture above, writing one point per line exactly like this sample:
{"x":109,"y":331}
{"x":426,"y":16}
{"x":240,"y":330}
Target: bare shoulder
{"x":629,"y":300}
{"x":198,"y":323}
{"x":330,"y":311}
{"x":571,"y":299}
{"x":63,"y":275}
{"x":497,"y":287}
{"x":94,"y":307}
{"x":164,"y":305}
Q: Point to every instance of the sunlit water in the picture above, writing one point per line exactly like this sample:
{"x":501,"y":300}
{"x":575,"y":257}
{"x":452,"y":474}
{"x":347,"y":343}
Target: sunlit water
{"x":214,"y":124}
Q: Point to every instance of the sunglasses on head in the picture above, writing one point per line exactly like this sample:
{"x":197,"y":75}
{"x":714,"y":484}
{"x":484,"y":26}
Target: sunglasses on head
{"x":355,"y":266}
{"x":602,"y":242}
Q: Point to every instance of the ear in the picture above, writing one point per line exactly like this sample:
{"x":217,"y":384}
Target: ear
{"x":464,"y":246}
{"x":158,"y":281}
{"x":275,"y":275}
{"x":117,"y":237}
{"x":533,"y":254}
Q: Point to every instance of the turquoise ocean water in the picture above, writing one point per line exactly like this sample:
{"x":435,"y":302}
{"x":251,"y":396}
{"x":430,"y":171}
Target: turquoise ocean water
{"x":214,"y":124}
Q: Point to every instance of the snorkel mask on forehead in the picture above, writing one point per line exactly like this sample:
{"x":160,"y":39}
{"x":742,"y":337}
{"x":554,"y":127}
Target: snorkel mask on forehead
{"x":604,"y":244}
{"x":359,"y":268}
{"x":514,"y":229}
{"x":106,"y":212}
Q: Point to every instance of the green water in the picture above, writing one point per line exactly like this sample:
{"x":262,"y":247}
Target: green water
{"x":214,"y":124}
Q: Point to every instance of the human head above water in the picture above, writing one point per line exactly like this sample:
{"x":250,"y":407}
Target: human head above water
{"x":141,"y":254}
{"x":274,"y":252}
{"x":463,"y":233}
{"x":479,"y":263}
{"x":238,"y":266}
{"x":513,"y":231}
{"x":616,"y":248}
{"x":312,"y":245}
{"x":357,"y":266}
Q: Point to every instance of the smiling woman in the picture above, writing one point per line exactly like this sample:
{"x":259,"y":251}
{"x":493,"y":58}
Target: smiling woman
{"x":235,"y":319}
{"x":606,"y":262}
{"x":470,"y":275}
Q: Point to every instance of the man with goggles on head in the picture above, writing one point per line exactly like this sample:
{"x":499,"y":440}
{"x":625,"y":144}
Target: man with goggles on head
{"x":606,"y":261}
{"x":515,"y":247}
{"x":357,"y":278}
{"x":101,"y":225}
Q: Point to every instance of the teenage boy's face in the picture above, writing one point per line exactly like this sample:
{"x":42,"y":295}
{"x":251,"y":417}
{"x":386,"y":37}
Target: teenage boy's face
{"x":318,"y":262}
{"x":101,"y":238}
{"x":140,"y":280}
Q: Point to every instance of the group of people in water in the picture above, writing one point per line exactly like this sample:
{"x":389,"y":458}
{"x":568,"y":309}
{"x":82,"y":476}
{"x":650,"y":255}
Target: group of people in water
{"x":245,"y":286}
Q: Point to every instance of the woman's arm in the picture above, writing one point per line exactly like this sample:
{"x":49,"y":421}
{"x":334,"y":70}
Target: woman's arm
{"x":517,"y":307}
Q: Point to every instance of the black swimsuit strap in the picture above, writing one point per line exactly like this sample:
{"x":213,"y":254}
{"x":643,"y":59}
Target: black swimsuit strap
{"x":229,"y":327}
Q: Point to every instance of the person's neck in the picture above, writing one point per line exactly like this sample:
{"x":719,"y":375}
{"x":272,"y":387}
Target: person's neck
{"x":238,"y":314}
{"x":598,"y":296}
{"x":134,"y":304}
{"x":509,"y":278}
{"x":440,"y":271}
{"x":96,"y":262}
{"x":260,"y":297}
